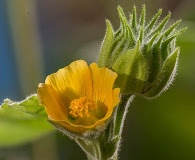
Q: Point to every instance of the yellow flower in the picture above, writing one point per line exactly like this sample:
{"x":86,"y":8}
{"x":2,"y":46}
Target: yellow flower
{"x":79,"y":97}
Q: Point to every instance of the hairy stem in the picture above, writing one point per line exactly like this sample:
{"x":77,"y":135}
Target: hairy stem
{"x":121,"y":112}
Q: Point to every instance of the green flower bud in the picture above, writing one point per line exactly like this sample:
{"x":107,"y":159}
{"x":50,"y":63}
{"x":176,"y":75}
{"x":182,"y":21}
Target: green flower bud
{"x":145,"y":56}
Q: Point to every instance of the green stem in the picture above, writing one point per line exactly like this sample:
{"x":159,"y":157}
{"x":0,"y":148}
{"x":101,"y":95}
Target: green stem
{"x":118,"y":120}
{"x":121,"y":112}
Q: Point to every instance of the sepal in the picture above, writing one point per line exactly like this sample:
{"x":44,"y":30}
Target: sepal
{"x":131,"y":69}
{"x":106,"y":47}
{"x":166,"y":76}
{"x":112,"y":147}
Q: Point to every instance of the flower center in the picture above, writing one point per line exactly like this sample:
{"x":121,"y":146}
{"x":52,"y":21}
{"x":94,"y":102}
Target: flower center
{"x":82,"y":106}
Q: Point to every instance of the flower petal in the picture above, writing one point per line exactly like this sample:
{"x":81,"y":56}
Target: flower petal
{"x":72,"y":82}
{"x":103,"y":81}
{"x":54,"y":105}
{"x":115,"y":96}
{"x":115,"y":101}
{"x":75,"y":128}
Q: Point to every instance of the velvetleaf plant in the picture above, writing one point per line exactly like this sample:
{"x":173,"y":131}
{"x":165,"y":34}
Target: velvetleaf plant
{"x":89,"y":103}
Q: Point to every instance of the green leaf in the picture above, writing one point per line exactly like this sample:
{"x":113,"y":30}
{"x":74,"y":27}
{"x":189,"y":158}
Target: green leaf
{"x":22,"y":122}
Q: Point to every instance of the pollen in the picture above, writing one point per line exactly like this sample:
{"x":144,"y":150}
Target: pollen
{"x":81,"y":107}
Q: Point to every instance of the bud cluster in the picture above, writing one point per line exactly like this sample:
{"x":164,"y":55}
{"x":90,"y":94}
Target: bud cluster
{"x":144,"y":55}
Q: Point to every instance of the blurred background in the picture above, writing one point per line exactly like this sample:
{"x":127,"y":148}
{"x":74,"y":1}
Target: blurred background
{"x":37,"y":37}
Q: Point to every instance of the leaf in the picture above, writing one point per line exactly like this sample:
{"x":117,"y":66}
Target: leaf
{"x":22,"y":122}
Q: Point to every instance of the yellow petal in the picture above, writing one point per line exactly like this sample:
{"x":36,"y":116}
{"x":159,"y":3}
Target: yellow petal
{"x":72,"y":82}
{"x":115,"y":101}
{"x":75,"y":128}
{"x":115,"y":96}
{"x":103,"y":81}
{"x":54,"y":105}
